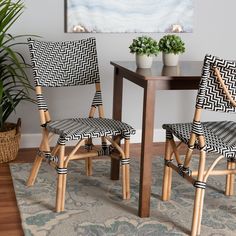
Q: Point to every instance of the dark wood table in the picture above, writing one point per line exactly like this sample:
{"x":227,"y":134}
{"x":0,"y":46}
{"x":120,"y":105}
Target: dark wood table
{"x":185,"y":76}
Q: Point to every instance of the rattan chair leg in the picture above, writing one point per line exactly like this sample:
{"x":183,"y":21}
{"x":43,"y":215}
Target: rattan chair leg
{"x":63,"y":192}
{"x":89,"y":166}
{"x":200,"y":211}
{"x":60,"y":181}
{"x":228,"y":179}
{"x":169,"y":183}
{"x":232,"y":181}
{"x":34,"y":170}
{"x":123,"y":182}
{"x":167,"y":177}
{"x":59,"y":195}
{"x":229,"y":187}
{"x":196,"y":212}
{"x":127,"y":168}
{"x":125,"y":165}
{"x":127,"y":181}
{"x":199,"y":195}
{"x":38,"y":160}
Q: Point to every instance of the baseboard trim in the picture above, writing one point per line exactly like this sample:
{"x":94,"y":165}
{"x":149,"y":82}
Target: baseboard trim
{"x":33,"y":140}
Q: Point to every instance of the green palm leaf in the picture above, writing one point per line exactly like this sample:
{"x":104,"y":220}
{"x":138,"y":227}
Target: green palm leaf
{"x":15,"y":85}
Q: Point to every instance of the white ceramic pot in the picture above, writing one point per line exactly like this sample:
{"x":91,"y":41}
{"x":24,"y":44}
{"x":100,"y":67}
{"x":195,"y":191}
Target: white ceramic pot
{"x":144,"y":61}
{"x":170,"y":59}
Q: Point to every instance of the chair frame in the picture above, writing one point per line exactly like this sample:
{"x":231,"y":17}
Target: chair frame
{"x":202,"y":174}
{"x":57,"y":157}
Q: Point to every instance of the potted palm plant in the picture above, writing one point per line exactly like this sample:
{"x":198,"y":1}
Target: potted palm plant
{"x":144,"y":48}
{"x":14,"y":83}
{"x":171,"y":46}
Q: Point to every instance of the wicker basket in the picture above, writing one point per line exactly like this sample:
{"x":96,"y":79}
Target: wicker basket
{"x":9,"y":142}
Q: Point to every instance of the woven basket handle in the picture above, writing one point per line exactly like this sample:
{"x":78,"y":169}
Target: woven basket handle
{"x":18,"y":125}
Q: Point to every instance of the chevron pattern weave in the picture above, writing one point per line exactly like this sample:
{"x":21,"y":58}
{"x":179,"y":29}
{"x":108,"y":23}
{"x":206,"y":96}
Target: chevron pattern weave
{"x":220,"y":137}
{"x":70,"y":63}
{"x":211,"y":95}
{"x":80,"y":128}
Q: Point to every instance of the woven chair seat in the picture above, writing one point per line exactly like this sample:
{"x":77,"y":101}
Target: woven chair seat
{"x":80,"y":128}
{"x":220,"y":136}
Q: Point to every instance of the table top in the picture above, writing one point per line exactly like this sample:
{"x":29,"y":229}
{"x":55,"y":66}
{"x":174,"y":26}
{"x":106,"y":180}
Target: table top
{"x":184,"y":76}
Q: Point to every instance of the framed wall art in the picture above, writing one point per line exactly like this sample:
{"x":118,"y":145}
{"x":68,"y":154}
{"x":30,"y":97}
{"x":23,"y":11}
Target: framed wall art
{"x":123,"y":16}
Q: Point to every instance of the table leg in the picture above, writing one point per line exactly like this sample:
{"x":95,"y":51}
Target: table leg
{"x":146,"y":149}
{"x":117,"y":115}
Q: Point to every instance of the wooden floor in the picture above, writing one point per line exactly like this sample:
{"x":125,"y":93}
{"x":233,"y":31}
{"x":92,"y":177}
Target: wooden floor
{"x":10,"y":222}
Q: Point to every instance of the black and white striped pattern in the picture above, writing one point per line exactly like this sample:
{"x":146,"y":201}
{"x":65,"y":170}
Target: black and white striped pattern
{"x":169,"y":135}
{"x":211,"y":95}
{"x":199,"y":184}
{"x":125,"y":161}
{"x":61,"y":170}
{"x":41,"y":102}
{"x":48,"y":156}
{"x":220,"y":137}
{"x":105,"y":150}
{"x":184,"y":171}
{"x":197,"y":127}
{"x":70,"y":63}
{"x":180,"y":169}
{"x":80,"y":128}
{"x":97,"y":100}
{"x":57,"y":64}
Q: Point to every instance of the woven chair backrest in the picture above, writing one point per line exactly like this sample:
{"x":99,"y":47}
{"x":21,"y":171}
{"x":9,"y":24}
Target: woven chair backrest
{"x":69,"y":63}
{"x":211,"y":95}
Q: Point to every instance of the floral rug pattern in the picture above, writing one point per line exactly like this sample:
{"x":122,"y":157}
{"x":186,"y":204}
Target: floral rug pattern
{"x":94,"y":205}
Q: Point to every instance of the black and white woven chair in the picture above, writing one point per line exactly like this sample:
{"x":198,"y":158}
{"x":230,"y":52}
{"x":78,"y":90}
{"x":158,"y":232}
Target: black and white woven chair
{"x":217,"y":92}
{"x":73,"y":63}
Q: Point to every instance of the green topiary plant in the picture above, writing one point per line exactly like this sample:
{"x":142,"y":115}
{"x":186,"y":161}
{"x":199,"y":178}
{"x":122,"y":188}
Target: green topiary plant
{"x":144,"y":45}
{"x":14,"y":82}
{"x":171,"y":44}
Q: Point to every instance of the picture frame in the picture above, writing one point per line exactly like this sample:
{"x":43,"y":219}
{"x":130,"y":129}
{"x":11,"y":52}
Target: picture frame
{"x":133,"y":16}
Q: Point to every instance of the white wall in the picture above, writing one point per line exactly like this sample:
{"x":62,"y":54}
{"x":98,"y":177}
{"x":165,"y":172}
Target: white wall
{"x":214,"y":32}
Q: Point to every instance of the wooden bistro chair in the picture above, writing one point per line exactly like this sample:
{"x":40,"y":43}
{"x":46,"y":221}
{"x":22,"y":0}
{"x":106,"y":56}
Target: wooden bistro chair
{"x":217,"y":92}
{"x":74,"y":63}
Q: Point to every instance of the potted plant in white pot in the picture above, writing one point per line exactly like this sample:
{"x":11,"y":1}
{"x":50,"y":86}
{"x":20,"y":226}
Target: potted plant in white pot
{"x":14,"y":83}
{"x":144,"y":48}
{"x":171,"y":46}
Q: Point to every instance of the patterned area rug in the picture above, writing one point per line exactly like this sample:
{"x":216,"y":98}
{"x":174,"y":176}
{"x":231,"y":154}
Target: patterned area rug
{"x":94,"y":205}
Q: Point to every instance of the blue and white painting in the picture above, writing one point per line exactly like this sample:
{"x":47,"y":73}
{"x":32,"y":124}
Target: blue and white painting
{"x":119,"y":16}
